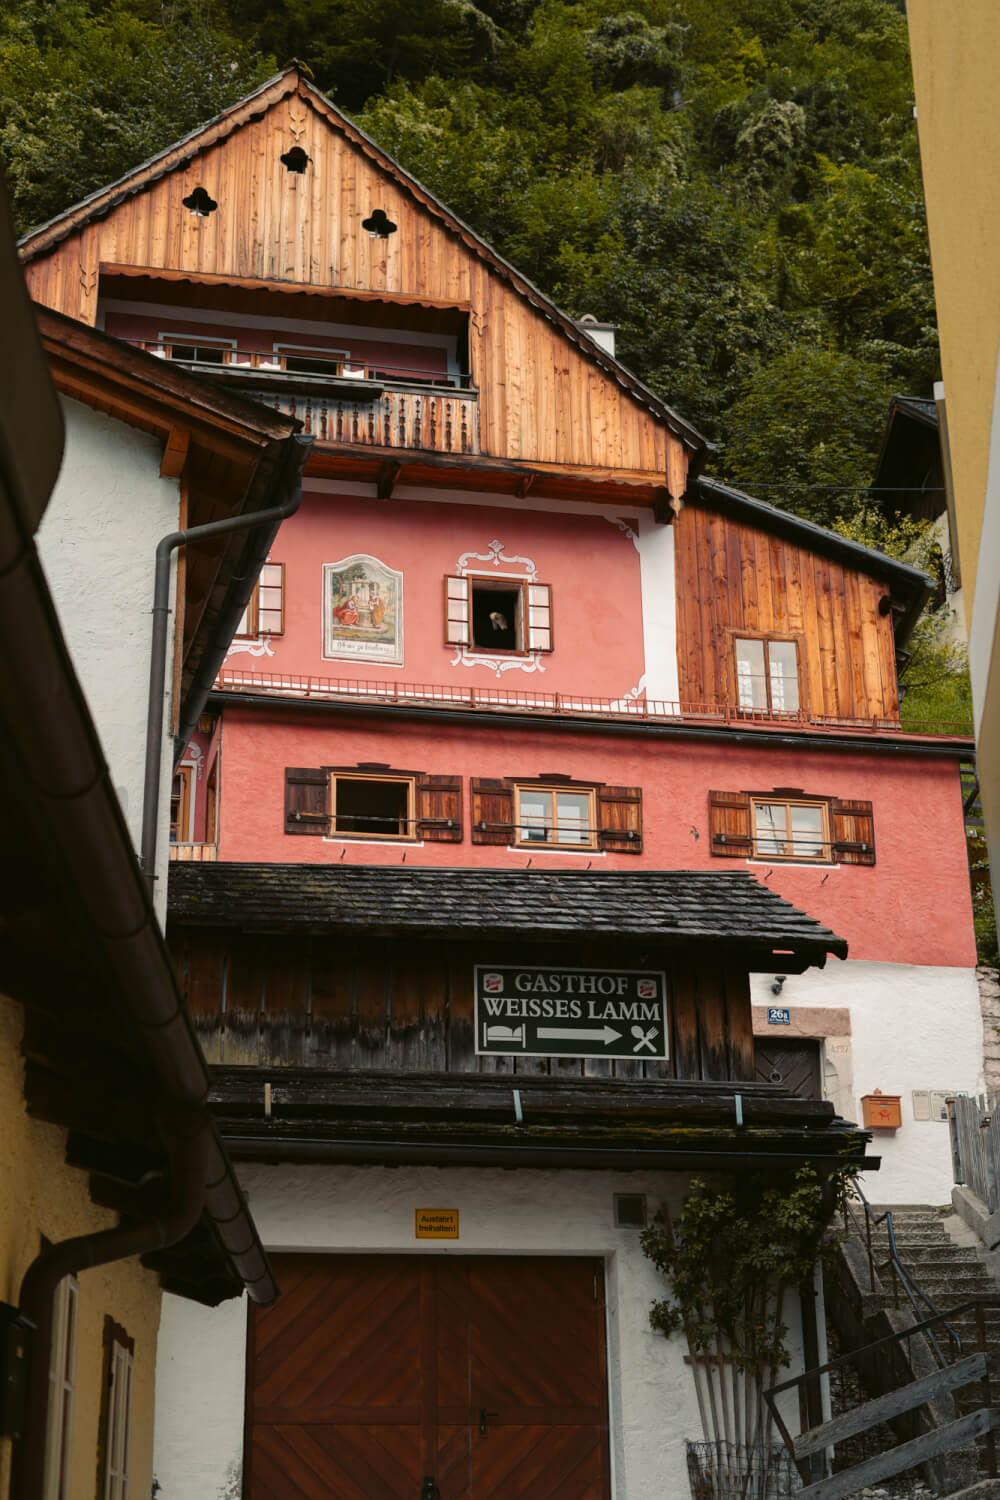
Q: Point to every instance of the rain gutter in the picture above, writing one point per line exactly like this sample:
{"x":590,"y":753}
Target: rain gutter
{"x":288,"y":474}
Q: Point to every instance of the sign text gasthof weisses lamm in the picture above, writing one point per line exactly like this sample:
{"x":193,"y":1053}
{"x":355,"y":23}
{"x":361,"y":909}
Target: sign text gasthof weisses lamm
{"x":540,"y":1011}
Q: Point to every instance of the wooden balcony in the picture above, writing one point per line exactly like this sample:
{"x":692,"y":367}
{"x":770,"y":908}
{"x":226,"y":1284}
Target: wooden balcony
{"x":353,"y":404}
{"x":431,"y":419}
{"x":196,"y":853}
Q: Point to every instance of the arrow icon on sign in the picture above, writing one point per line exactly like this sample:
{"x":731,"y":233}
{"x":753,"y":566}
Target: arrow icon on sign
{"x":577,"y":1034}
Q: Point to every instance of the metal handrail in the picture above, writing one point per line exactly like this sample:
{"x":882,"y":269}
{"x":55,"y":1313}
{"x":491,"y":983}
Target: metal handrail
{"x":899,"y":1272}
{"x":978,"y":1305}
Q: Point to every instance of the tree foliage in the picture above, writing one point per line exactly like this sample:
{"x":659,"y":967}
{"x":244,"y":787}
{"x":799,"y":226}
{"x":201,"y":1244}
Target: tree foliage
{"x":736,"y":186}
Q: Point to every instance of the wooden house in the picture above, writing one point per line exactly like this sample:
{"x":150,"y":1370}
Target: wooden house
{"x":542,"y":776}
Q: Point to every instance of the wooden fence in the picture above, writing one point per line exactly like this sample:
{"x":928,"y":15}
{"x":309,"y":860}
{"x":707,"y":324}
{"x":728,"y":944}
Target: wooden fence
{"x":975,"y":1146}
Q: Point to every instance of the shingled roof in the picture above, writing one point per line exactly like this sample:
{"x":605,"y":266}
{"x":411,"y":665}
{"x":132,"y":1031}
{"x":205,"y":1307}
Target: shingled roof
{"x":673,"y":907}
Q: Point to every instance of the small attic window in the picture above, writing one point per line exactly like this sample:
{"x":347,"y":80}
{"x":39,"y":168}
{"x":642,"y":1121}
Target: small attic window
{"x":379,"y":225}
{"x":296,"y":159}
{"x":199,"y":203}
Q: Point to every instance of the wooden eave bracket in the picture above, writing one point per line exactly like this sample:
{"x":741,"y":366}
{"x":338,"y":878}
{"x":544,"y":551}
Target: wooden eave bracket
{"x":667,"y":509}
{"x":388,"y":474}
{"x":175,"y":453}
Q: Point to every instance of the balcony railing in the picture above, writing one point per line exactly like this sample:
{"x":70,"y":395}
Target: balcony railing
{"x":503,"y":699}
{"x":369,"y":405}
{"x":196,"y":853}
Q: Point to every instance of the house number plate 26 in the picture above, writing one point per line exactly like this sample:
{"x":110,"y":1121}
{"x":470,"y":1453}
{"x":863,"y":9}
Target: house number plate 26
{"x":547,"y":1012}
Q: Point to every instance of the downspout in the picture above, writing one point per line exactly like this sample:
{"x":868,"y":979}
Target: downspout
{"x":189,"y":1161}
{"x":299,"y":452}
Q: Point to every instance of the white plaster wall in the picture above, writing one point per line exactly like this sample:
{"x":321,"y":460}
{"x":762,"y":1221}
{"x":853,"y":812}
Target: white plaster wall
{"x":198,"y":1417}
{"x":659,"y":612}
{"x":912,"y":1027}
{"x":97,"y":543}
{"x":652,"y":1404}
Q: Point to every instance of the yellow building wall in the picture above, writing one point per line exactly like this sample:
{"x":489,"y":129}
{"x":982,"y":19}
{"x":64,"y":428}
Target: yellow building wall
{"x":39,"y":1195}
{"x":955,"y":48}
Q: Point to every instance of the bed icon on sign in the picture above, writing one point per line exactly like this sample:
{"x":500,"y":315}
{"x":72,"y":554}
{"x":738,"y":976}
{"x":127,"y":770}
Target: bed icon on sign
{"x":493,"y":984}
{"x":500,"y":1035}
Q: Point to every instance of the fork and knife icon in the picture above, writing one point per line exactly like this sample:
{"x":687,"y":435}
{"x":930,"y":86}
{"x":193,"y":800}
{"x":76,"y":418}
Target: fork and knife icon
{"x":644,"y":1038}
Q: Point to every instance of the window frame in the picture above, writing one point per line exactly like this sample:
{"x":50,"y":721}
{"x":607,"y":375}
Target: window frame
{"x":458,"y":613}
{"x":61,"y":1390}
{"x":229,"y":347}
{"x":767,"y":638}
{"x":116,"y":1415}
{"x":553,"y":789}
{"x":185,"y":805}
{"x":796,"y":856}
{"x":338,"y":358}
{"x":396,"y":777}
{"x":252,"y":613}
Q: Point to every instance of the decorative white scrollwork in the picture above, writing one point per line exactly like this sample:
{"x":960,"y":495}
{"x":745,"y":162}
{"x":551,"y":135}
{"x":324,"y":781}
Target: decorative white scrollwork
{"x":262,"y":647}
{"x":622,"y":705}
{"x":625,"y":529}
{"x":498,"y":664}
{"x":495,"y":555}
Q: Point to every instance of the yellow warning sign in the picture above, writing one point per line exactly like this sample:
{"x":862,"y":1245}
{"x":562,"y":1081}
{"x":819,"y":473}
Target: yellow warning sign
{"x":436,"y":1224}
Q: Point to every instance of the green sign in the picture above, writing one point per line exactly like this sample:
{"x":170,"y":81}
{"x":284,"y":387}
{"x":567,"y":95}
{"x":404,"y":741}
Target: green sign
{"x":549,"y":1011}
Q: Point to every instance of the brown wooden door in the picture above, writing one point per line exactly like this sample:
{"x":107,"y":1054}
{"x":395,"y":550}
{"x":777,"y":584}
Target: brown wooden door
{"x":373,"y":1372}
{"x":793,"y":1062}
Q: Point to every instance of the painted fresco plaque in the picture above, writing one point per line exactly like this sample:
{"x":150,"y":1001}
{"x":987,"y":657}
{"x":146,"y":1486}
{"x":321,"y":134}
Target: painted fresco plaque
{"x":362,"y":611}
{"x":533,"y":1011}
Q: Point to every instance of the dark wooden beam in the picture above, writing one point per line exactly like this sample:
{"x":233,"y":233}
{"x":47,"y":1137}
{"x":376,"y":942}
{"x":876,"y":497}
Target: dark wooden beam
{"x":524,"y":485}
{"x":387,"y":475}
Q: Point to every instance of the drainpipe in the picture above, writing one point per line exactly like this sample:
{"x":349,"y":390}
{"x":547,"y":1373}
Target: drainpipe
{"x":290,"y":470}
{"x":190,"y":1155}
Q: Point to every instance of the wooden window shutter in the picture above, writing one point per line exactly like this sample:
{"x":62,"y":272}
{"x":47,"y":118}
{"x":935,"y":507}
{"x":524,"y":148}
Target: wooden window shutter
{"x":307,"y":800}
{"x":439,"y":809}
{"x":853,"y":832}
{"x":271,"y":599}
{"x":729,"y":824}
{"x":457,"y":612}
{"x":492,"y":811}
{"x":619,"y":819}
{"x":539,"y":631}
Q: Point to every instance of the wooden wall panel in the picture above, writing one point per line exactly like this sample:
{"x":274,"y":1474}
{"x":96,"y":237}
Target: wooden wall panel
{"x":732,"y":577}
{"x":278,"y":1001}
{"x":541,"y":398}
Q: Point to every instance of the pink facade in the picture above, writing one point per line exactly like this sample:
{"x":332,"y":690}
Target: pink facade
{"x":883,"y":911}
{"x":590,"y":563}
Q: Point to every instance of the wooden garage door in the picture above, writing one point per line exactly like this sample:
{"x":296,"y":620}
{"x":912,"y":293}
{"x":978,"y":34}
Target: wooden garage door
{"x":792,"y":1062}
{"x":372,"y":1373}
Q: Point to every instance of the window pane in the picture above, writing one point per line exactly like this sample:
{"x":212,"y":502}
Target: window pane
{"x":784,"y":676}
{"x":375,"y":808}
{"x":807,"y":831}
{"x":770,"y":827}
{"x":751,"y":686}
{"x":573,"y":825}
{"x":535,"y":816}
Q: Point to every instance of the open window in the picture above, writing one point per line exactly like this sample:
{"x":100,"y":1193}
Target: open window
{"x":181,"y":805}
{"x":556,"y":813}
{"x":767,"y":674}
{"x":265,"y":614}
{"x":788,"y":824}
{"x":498,"y":615}
{"x":306,"y":359}
{"x":373,"y":802}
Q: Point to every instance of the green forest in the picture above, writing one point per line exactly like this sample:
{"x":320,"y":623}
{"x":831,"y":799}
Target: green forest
{"x":734,"y":183}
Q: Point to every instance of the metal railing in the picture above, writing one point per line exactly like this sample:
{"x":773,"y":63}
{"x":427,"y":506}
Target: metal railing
{"x":808,"y":1450}
{"x":974,"y":1126}
{"x":503,"y":698}
{"x":866,"y":1221}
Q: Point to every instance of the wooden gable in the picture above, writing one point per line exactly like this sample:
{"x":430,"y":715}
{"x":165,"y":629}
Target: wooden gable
{"x":547,"y":393}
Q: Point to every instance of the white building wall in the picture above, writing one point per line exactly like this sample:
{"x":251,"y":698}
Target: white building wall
{"x":652,"y":1405}
{"x":912,"y":1027}
{"x":97,"y":543}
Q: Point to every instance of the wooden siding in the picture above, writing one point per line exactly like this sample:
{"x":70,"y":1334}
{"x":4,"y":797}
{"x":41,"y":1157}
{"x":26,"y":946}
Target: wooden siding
{"x":326,"y":1002}
{"x":542,"y":398}
{"x":731,"y":577}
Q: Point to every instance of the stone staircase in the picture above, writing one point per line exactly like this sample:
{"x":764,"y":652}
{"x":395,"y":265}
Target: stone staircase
{"x":946,"y":1261}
